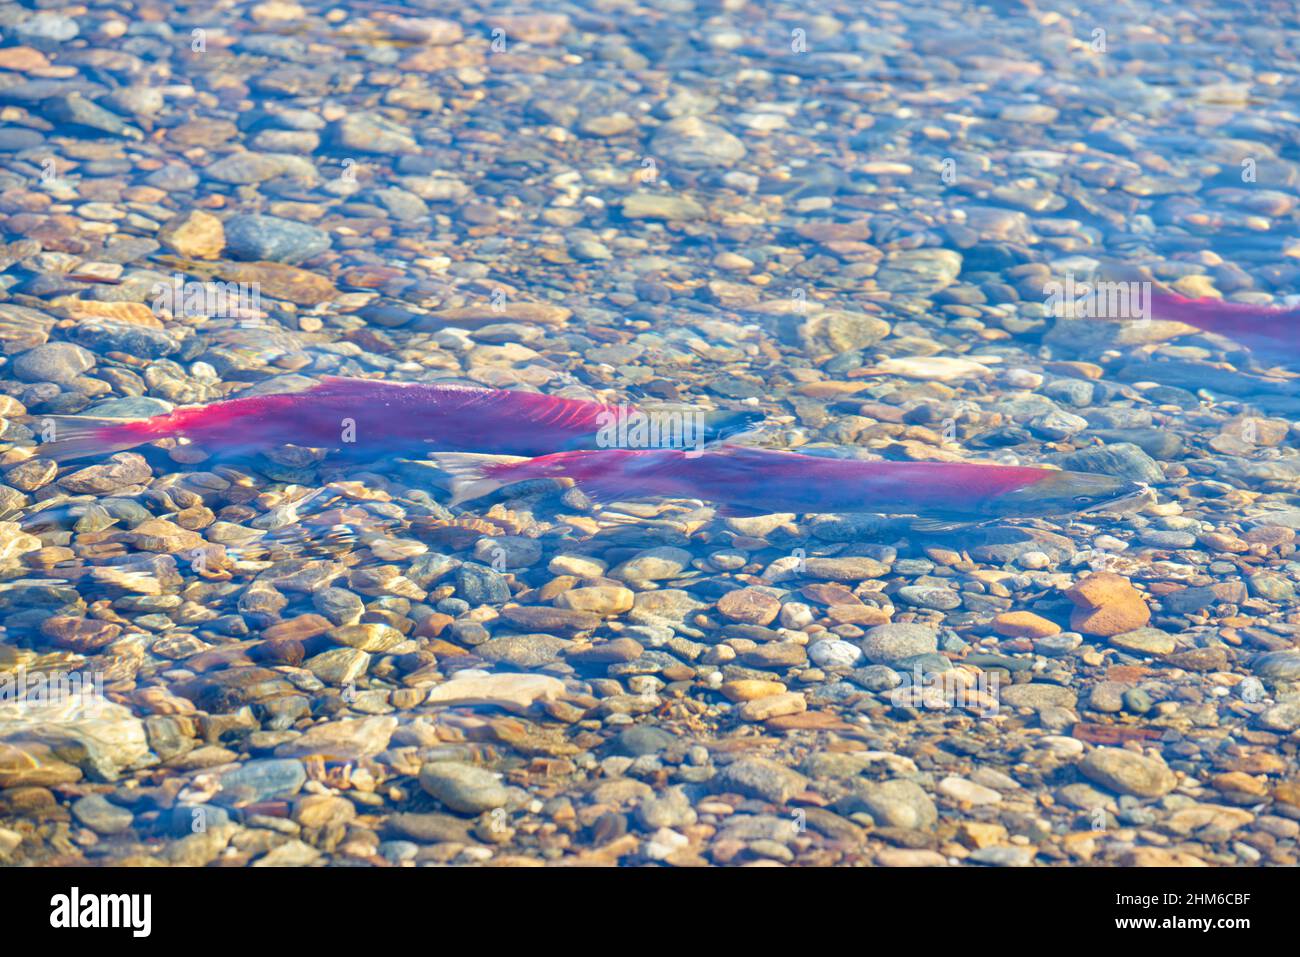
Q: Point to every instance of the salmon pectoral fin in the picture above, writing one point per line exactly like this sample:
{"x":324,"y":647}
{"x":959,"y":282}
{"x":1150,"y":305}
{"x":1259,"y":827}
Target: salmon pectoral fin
{"x":80,"y":436}
{"x":470,"y":474}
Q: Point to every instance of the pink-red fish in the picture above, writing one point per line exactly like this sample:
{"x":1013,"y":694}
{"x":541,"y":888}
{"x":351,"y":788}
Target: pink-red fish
{"x":375,"y":418}
{"x":1269,"y":332}
{"x":761,"y":481}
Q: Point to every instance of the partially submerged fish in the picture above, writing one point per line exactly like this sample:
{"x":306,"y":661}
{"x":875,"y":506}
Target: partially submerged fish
{"x":1269,"y":332}
{"x":378,"y":418}
{"x":749,"y":481}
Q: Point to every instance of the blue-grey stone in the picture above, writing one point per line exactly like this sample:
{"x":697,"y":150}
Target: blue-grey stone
{"x":272,"y":239}
{"x":480,"y":585}
{"x":262,"y":780}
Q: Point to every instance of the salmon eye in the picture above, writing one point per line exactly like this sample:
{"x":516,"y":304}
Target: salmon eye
{"x":1083,"y":498}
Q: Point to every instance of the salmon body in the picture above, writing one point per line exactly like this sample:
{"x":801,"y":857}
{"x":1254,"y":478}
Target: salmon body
{"x":1268,"y":332}
{"x":375,"y":418}
{"x":762,"y":481}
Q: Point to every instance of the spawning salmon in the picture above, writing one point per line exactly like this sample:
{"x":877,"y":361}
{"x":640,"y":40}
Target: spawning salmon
{"x":1269,"y":332}
{"x":748,"y":481}
{"x":377,"y":418}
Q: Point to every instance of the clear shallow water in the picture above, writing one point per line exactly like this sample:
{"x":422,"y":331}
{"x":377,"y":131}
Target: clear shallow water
{"x":847,"y":217}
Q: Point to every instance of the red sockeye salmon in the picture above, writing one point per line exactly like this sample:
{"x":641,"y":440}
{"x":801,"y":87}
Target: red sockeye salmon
{"x":1269,"y":332}
{"x":748,"y":480}
{"x":379,"y":418}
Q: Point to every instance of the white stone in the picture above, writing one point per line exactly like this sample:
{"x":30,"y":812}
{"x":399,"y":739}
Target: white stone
{"x":835,"y":654}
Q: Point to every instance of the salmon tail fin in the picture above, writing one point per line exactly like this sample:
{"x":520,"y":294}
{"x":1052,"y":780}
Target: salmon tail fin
{"x":473,"y":475}
{"x":79,"y":436}
{"x":726,"y":424}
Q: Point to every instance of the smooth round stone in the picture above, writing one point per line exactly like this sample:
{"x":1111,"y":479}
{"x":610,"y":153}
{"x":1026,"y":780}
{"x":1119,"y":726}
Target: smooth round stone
{"x":1271,"y":586}
{"x":271,"y":239}
{"x":101,"y":815}
{"x":899,"y":803}
{"x":1127,"y":772}
{"x":59,"y":362}
{"x":1038,"y":696}
{"x":1162,"y":539}
{"x":640,"y":740}
{"x":262,"y":780}
{"x":173,"y":178}
{"x":463,"y":787}
{"x":480,"y":585}
{"x":453,"y":606}
{"x":134,"y":340}
{"x":15,"y":139}
{"x":877,"y":678}
{"x":692,"y":141}
{"x":1282,"y":717}
{"x":654,"y":564}
{"x":1146,"y":641}
{"x":1054,"y":646}
{"x":398,"y":851}
{"x":1251,"y":689}
{"x":44,"y":29}
{"x":580,"y":566}
{"x":913,"y":567}
{"x":927,"y":596}
{"x":895,"y":642}
{"x":523,"y":651}
{"x":1058,"y":424}
{"x":932,"y":663}
{"x":834,"y":654}
{"x":1279,"y":665}
{"x":968,"y":792}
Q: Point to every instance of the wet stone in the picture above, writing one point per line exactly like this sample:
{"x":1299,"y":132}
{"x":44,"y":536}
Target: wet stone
{"x":269,"y":238}
{"x":261,"y":780}
{"x":100,"y":815}
{"x":523,"y":651}
{"x":762,"y":778}
{"x":463,"y":787}
{"x":884,"y":644}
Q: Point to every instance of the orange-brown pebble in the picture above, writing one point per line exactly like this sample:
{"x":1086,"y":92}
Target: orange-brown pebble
{"x":431,"y":626}
{"x":751,"y":606}
{"x":1107,"y":604}
{"x":1024,"y":624}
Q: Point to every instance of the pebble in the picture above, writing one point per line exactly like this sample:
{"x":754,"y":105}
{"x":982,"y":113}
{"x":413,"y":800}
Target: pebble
{"x":885,"y":644}
{"x":271,"y":239}
{"x":463,"y":787}
{"x":1106,"y":604}
{"x":100,"y":815}
{"x":1127,"y":772}
{"x":291,"y":640}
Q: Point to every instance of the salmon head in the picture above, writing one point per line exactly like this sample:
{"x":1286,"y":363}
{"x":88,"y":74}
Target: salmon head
{"x":1065,"y":493}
